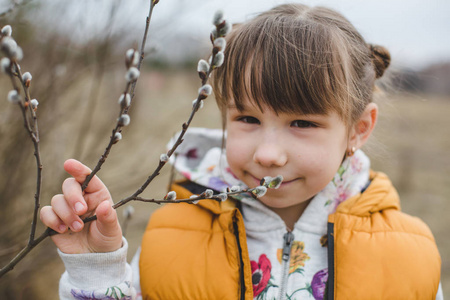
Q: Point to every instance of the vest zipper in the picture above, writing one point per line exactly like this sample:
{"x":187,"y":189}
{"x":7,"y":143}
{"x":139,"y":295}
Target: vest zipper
{"x":286,"y":255}
{"x":241,"y":261}
{"x":329,"y":287}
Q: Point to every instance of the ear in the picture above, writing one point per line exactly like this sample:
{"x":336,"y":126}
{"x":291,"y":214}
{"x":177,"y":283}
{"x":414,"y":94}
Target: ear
{"x":361,"y":131}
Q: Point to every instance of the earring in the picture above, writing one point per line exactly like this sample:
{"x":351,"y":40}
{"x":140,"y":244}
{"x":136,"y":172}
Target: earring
{"x":351,"y":151}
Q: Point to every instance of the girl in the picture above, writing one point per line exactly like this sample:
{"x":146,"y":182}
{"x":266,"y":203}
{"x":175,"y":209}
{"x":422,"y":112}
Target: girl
{"x":295,"y":92}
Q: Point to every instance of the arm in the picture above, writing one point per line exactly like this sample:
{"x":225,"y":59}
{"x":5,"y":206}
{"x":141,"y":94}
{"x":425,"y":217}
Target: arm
{"x":94,"y":253}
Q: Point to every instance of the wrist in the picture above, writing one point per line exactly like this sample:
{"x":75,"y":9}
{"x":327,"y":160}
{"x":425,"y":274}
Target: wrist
{"x":93,"y":269}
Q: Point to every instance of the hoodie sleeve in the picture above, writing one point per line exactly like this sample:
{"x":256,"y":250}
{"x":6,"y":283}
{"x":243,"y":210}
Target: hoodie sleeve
{"x":97,"y":275}
{"x":440,"y":295}
{"x":136,"y":277}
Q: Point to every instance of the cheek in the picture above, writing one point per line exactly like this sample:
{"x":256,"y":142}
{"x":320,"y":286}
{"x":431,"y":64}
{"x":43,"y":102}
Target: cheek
{"x":323,"y":160}
{"x":237,"y":153}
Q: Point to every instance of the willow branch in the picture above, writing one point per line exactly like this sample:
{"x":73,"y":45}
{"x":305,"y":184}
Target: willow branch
{"x":33,"y":132}
{"x":130,"y":88}
{"x":144,"y":41}
{"x":14,"y":5}
{"x":112,"y":141}
{"x":161,"y":164}
{"x":172,"y":172}
{"x":194,"y":199}
{"x":25,"y":251}
{"x":32,"y":242}
{"x":222,"y":28}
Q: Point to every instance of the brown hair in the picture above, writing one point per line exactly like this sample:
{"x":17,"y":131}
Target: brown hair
{"x":299,"y":59}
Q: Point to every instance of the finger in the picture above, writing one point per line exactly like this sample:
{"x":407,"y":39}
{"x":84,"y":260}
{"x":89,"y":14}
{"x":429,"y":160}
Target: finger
{"x":50,"y":219}
{"x":93,"y":200}
{"x":80,"y":172}
{"x":107,"y":222}
{"x":74,"y":196}
{"x":66,"y":213}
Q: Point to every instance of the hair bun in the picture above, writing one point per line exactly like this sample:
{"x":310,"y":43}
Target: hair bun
{"x":380,"y":58}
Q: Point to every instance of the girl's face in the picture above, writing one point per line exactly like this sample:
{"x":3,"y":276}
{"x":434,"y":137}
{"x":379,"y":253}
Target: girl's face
{"x":306,"y":150}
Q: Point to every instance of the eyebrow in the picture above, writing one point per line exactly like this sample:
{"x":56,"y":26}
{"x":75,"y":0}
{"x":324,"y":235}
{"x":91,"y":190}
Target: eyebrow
{"x":234,"y":107}
{"x":311,"y":115}
{"x":244,"y":106}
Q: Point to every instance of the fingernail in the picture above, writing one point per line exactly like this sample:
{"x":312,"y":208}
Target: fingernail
{"x":79,"y":207}
{"x":76,"y":225}
{"x":62,"y":228}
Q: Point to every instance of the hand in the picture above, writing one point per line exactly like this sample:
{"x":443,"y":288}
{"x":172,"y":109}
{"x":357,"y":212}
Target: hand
{"x":68,"y":209}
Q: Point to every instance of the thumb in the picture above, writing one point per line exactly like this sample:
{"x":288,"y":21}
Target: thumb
{"x":108,"y":224}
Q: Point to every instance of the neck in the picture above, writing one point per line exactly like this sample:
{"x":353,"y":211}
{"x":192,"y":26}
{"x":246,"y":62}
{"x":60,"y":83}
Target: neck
{"x":291,"y":214}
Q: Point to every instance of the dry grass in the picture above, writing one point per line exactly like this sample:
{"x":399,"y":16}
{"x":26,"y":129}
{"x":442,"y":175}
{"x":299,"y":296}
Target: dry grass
{"x":412,"y":134}
{"x":413,"y":130}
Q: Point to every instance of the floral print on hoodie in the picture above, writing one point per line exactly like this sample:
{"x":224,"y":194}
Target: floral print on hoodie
{"x":261,"y":278}
{"x":298,"y":257}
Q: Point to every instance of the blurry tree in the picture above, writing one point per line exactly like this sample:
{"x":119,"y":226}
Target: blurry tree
{"x":67,"y":80}
{"x":433,"y":79}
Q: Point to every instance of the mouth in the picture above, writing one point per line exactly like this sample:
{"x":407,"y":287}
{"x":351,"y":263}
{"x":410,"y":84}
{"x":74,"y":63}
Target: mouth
{"x":284,"y":183}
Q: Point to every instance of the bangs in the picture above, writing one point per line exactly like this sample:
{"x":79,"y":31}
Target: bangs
{"x":288,"y":64}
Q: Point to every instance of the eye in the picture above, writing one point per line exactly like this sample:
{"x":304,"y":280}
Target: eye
{"x":303,"y":124}
{"x":249,"y":120}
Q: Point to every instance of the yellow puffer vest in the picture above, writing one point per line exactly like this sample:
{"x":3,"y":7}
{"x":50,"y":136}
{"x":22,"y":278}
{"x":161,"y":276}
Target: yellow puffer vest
{"x":375,"y":251}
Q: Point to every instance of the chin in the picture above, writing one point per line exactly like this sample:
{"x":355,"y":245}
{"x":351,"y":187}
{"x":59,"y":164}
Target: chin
{"x":274,"y":203}
{"x":274,"y":200}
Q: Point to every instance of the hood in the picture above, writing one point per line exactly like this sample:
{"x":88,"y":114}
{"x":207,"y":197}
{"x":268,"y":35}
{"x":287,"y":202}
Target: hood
{"x":201,"y":159}
{"x":380,"y":195}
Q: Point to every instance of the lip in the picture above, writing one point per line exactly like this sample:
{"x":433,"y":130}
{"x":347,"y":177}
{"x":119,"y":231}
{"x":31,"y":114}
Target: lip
{"x":284,"y":183}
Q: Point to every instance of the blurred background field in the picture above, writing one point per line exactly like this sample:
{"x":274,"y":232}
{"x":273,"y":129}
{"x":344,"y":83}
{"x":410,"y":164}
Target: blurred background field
{"x":78,"y":81}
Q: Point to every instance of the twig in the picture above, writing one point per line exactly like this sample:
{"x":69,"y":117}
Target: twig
{"x":12,"y":68}
{"x":100,"y":57}
{"x":34,"y":135}
{"x":259,"y":191}
{"x":129,"y":89}
{"x":172,"y":172}
{"x":32,"y":242}
{"x":112,"y":141}
{"x":10,"y":250}
{"x":144,"y":41}
{"x":14,"y":5}
{"x":192,"y":200}
{"x":24,"y":252}
{"x":222,"y":28}
{"x":127,"y":214}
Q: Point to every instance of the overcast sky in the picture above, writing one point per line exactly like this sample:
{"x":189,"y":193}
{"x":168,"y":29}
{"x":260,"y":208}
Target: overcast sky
{"x":416,"y":32}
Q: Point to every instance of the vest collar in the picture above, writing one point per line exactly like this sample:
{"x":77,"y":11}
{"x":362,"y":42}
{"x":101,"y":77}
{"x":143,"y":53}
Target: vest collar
{"x":379,"y":195}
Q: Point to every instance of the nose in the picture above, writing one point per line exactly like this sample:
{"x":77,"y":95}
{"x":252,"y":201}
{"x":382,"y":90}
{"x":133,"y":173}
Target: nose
{"x":270,"y":154}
